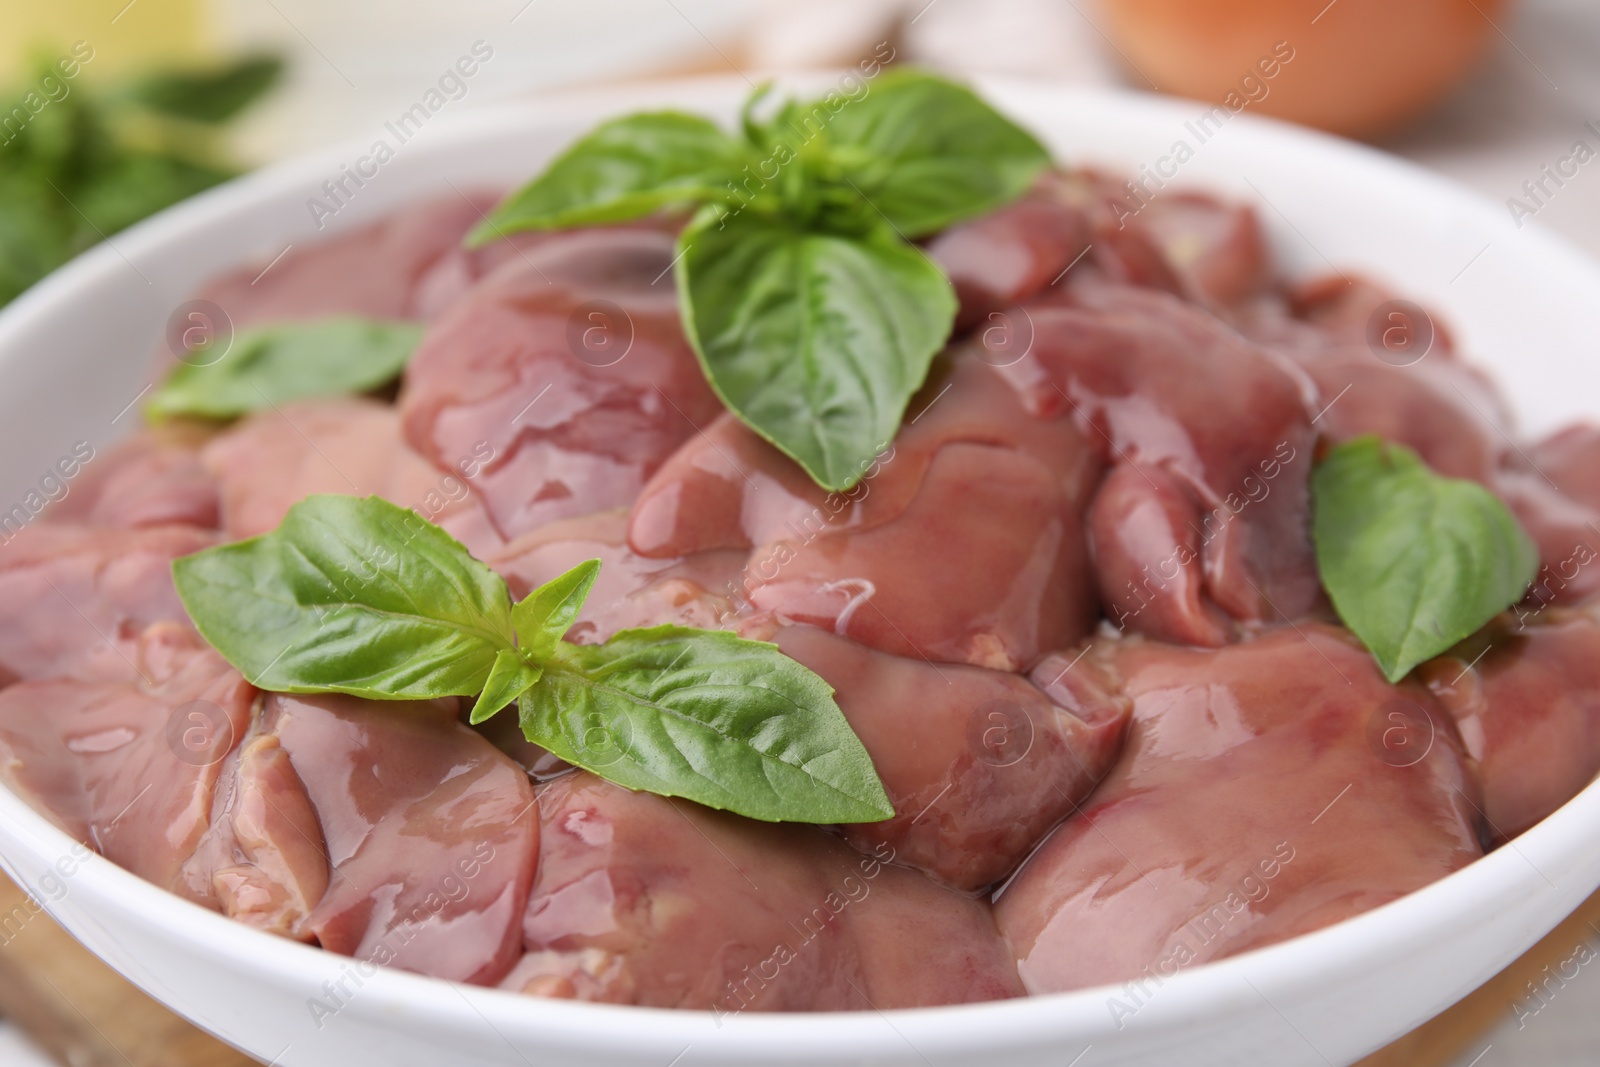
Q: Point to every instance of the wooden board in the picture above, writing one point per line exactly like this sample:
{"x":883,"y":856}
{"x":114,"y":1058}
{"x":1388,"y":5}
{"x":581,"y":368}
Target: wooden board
{"x":81,"y":1012}
{"x":84,"y":1014}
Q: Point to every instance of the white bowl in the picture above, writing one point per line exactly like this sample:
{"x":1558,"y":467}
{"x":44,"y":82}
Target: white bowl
{"x":73,"y":355}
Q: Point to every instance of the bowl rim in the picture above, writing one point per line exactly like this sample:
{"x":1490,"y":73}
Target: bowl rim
{"x":1348,"y":949}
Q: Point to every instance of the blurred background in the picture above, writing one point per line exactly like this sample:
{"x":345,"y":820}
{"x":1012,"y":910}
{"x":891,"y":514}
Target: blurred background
{"x":113,"y":109}
{"x":168,"y":96}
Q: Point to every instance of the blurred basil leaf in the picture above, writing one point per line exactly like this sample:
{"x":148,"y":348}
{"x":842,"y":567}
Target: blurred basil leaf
{"x":274,"y":364}
{"x":79,"y":163}
{"x":33,"y":237}
{"x":134,"y":187}
{"x":208,"y":96}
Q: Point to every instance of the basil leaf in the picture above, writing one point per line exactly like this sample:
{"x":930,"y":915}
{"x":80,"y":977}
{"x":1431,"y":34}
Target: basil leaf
{"x":930,"y":152}
{"x":96,"y":159}
{"x":1414,"y":562}
{"x":34,"y":240}
{"x":208,"y":96}
{"x":547,"y":613}
{"x":816,"y":340}
{"x":353,"y":596}
{"x":122,"y":191}
{"x":510,"y":677}
{"x":626,"y":168}
{"x":286,"y":361}
{"x":706,"y":715}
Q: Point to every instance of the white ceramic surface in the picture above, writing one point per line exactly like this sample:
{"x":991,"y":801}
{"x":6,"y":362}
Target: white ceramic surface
{"x":74,"y":355}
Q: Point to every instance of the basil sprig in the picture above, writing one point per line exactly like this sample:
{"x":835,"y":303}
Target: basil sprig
{"x":1413,"y":562}
{"x":287,"y":361}
{"x":362,"y":597}
{"x":814,"y":317}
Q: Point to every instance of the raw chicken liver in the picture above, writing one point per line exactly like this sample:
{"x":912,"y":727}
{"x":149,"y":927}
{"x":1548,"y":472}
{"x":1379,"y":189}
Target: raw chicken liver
{"x":631,"y":590}
{"x":973,"y":477}
{"x":1158,"y":383}
{"x":1423,"y":396}
{"x":129,"y":766}
{"x":979,"y":764}
{"x":408,"y":265}
{"x":1525,"y":693}
{"x":645,"y":900}
{"x":1571,"y":460}
{"x":263,"y":859}
{"x":277,"y":457}
{"x":79,"y":597}
{"x":432,"y":834}
{"x":570,"y":362}
{"x":1268,"y":789}
{"x":1554,"y":486}
{"x":153,"y":478}
{"x":728,"y":488}
{"x":998,"y":260}
{"x":1185,"y":243}
{"x":1216,"y":248}
{"x":987,"y":565}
